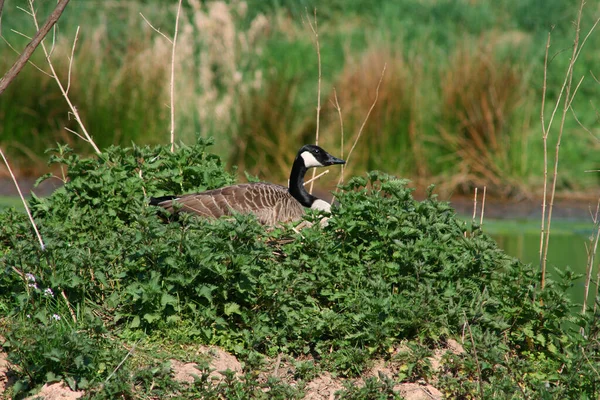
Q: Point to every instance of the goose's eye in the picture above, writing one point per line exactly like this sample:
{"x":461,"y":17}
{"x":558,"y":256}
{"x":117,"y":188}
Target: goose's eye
{"x":317,"y":151}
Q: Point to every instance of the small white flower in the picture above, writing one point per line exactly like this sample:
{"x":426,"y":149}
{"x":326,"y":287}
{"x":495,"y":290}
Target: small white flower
{"x":30,"y":277}
{"x":56,"y":317}
{"x":48,"y":292}
{"x":33,"y":285}
{"x":28,"y":315}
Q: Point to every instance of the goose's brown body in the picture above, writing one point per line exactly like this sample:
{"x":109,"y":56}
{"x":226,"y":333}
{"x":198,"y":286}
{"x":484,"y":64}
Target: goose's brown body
{"x":269,"y":202}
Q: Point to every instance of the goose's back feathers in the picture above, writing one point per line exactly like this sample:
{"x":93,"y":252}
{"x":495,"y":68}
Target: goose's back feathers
{"x":269,"y":202}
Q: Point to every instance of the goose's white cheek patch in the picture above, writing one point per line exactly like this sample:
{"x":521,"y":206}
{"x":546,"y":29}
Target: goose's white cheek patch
{"x":310,"y":160}
{"x":321,"y":205}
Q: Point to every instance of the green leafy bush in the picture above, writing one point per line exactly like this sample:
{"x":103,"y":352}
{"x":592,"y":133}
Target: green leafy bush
{"x":385,"y":269}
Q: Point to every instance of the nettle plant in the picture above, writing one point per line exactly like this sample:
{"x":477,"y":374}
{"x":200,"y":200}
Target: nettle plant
{"x":386,"y":268}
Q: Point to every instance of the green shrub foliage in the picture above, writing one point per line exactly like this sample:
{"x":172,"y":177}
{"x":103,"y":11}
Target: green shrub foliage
{"x":386,"y":268}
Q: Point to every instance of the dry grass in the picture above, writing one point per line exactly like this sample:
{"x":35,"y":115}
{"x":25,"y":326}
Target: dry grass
{"x":392,"y":133}
{"x":480,"y":97}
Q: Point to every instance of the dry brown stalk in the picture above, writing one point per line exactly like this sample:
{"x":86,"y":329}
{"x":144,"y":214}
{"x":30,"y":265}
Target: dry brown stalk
{"x":172,"y":80}
{"x":336,"y":104}
{"x":62,"y":292}
{"x":71,"y":60}
{"x":86,"y":136}
{"x":568,"y":98}
{"x":474,"y":205}
{"x":37,"y":232}
{"x":172,"y":84}
{"x":475,"y":354}
{"x":591,"y":251}
{"x":545,"y":140}
{"x":315,"y":30}
{"x":482,"y":206}
{"x":12,"y":73}
{"x":316,"y":177}
{"x":366,"y":118}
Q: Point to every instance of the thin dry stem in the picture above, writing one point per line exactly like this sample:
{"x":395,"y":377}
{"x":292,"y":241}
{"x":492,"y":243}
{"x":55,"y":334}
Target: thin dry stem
{"x":475,"y":354}
{"x":474,"y":205}
{"x":567,"y":101}
{"x":315,"y":30}
{"x":316,"y":177}
{"x":482,"y":206}
{"x":37,"y":232}
{"x":591,"y":256}
{"x":12,"y":73}
{"x":71,"y":60}
{"x":61,"y":87}
{"x":156,"y":29}
{"x":28,"y":61}
{"x":21,"y":33}
{"x":62,"y":292}
{"x":545,"y":140}
{"x":172,"y":84}
{"x":336,"y":104}
{"x":367,"y":117}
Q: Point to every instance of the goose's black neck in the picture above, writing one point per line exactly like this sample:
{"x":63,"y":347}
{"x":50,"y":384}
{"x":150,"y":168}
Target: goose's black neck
{"x":296,"y":188}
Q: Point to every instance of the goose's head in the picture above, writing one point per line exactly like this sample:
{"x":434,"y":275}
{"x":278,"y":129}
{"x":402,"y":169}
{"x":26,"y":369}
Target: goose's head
{"x":314,"y":156}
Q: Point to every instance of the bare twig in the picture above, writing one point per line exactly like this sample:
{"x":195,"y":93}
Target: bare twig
{"x":62,"y":292}
{"x":62,"y":88}
{"x":71,"y":60}
{"x":482,"y":206}
{"x":545,"y":140}
{"x":172,"y":85}
{"x":21,"y":33}
{"x":475,"y":354}
{"x":37,"y":232}
{"x":336,"y":104}
{"x":315,"y":30}
{"x":156,"y":29}
{"x":567,"y":102}
{"x":474,"y":205}
{"x":30,"y":48}
{"x":367,"y":117}
{"x":123,"y":361}
{"x":28,"y":61}
{"x":317,"y":177}
{"x":591,"y":255}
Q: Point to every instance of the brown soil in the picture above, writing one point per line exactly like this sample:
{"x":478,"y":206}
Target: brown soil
{"x":322,"y":387}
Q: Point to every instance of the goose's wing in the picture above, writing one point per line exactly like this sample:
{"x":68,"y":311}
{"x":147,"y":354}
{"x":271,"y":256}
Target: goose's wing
{"x":270,"y":203}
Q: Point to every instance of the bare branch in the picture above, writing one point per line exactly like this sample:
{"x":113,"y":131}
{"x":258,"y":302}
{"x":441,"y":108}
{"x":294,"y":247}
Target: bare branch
{"x":317,"y":177}
{"x":172,"y":86}
{"x":339,"y":110}
{"x":315,"y":30}
{"x":30,"y":48}
{"x":482,"y":206}
{"x":28,"y":61}
{"x":62,"y":89}
{"x":368,"y":114}
{"x":71,"y":60}
{"x":156,"y":30}
{"x":37,"y":232}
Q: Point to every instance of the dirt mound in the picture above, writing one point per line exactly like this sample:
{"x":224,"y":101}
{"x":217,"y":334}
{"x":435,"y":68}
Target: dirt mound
{"x":56,"y":391}
{"x":220,"y":361}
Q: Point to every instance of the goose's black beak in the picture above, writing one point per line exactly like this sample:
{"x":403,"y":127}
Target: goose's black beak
{"x":334,"y":160}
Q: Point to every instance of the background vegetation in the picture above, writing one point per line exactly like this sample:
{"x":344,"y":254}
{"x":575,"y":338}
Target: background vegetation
{"x":459,"y":104}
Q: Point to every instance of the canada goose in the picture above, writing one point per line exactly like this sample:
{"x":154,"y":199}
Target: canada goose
{"x":270,"y":203}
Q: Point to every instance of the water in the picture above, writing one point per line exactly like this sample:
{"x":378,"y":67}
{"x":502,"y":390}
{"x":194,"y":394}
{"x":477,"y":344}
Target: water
{"x":568,"y":239}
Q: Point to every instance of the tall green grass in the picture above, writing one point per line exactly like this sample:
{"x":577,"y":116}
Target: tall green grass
{"x":459,"y":104}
